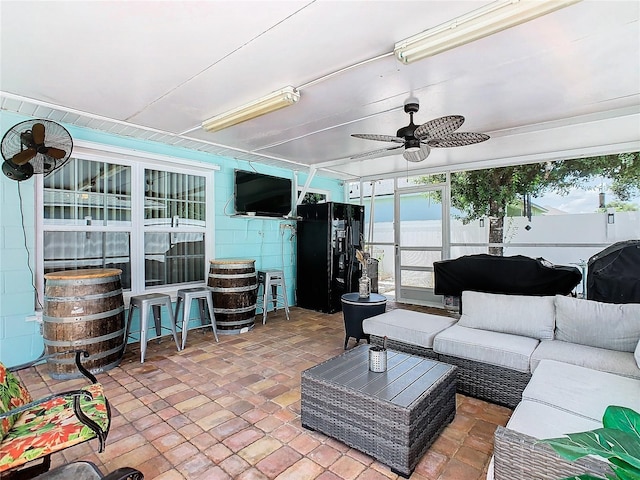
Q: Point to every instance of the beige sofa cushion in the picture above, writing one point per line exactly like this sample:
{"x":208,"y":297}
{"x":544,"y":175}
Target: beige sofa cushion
{"x":581,"y":391}
{"x":612,"y":361}
{"x":414,"y":328}
{"x":493,"y":348}
{"x":597,"y":324}
{"x":546,"y":421}
{"x":524,"y":315}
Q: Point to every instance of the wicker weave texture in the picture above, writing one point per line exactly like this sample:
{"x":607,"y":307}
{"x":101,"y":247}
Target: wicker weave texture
{"x":396,"y":436}
{"x":500,"y":385}
{"x":520,"y":457}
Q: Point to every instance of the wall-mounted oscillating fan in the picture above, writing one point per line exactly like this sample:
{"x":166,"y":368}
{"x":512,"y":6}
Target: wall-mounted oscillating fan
{"x":418,"y":140}
{"x":34,"y":146}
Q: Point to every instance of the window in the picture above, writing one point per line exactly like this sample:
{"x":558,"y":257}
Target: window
{"x":315,"y":196}
{"x":152,"y":220}
{"x":175,"y":220}
{"x":87,"y":217}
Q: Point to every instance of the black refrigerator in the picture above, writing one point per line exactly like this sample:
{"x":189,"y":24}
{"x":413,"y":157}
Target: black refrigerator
{"x":327,"y":267}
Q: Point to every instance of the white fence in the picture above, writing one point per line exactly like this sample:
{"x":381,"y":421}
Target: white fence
{"x":560,"y":239}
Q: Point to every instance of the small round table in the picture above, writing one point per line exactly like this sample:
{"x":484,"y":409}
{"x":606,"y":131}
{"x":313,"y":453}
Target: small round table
{"x":356,"y":309}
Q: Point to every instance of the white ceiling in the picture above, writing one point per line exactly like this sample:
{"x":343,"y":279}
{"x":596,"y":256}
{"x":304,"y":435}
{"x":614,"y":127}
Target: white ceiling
{"x":563,"y":85}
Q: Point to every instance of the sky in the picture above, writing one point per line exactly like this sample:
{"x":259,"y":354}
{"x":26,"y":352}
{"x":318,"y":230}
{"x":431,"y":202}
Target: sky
{"x":579,"y":201}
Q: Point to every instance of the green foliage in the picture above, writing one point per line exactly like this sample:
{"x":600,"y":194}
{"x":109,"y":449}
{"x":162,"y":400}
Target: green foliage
{"x":486,"y":193}
{"x":619,"y":206}
{"x":622,"y":169}
{"x":313,"y":198}
{"x":618,"y":441}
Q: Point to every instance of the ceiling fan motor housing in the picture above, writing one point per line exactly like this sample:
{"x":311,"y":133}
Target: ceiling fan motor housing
{"x":411,"y":107}
{"x":411,"y":143}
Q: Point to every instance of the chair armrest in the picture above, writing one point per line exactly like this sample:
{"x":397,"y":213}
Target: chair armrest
{"x":74,"y":396}
{"x":43,"y":357}
{"x":124,"y":473}
{"x":40,"y":401}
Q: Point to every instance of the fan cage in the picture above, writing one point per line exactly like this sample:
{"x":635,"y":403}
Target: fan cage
{"x":56,"y":136}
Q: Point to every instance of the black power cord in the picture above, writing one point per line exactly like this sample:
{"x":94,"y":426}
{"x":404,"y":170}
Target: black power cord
{"x":26,"y":247}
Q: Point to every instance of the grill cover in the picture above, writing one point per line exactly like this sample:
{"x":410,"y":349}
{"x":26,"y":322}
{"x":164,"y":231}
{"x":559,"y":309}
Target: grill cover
{"x":613,"y":275}
{"x":508,"y":275}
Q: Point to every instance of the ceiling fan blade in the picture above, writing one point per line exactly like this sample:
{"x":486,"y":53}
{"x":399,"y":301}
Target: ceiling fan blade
{"x":56,"y":153}
{"x":439,"y":126}
{"x":380,"y":138}
{"x":418,"y":155}
{"x":38,"y":133}
{"x":24,"y":156}
{"x":458,"y":139}
{"x":383,"y":152}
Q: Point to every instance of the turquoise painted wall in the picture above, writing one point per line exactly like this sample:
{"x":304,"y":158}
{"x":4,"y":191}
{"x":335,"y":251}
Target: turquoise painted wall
{"x":267,"y":241}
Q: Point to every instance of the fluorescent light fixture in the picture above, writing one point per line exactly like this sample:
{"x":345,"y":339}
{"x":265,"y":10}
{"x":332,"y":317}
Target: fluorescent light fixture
{"x":274,"y":101}
{"x":485,"y":21}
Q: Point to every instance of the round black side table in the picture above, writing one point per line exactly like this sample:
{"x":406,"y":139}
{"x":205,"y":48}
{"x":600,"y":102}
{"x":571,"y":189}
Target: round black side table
{"x":356,"y":309}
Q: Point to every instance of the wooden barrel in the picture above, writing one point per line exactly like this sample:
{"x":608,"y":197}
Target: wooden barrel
{"x":235,"y":289}
{"x":83,"y":310}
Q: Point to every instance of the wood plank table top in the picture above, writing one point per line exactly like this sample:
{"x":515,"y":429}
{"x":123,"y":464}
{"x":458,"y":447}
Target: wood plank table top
{"x":407,"y":378}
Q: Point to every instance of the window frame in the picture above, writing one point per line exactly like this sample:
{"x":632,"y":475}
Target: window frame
{"x":138,"y":161}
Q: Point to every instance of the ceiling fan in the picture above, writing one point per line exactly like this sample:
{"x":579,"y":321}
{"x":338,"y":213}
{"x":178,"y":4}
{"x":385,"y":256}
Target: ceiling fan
{"x":34,"y":146}
{"x":418,"y":140}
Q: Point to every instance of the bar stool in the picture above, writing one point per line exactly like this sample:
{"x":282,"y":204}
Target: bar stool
{"x":154,"y":301}
{"x":188,"y":295}
{"x":271,"y":280}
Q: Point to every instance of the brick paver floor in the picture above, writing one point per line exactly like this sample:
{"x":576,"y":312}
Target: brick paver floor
{"x":231,"y":410}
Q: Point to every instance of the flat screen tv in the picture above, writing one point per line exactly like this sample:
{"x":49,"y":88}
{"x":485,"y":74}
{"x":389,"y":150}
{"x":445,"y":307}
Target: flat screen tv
{"x":262,"y":195}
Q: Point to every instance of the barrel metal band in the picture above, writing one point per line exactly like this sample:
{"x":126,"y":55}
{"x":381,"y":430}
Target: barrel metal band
{"x":84,"y":341}
{"x":234,"y":289}
{"x":95,"y":316}
{"x":245,"y":322}
{"x":234,"y":310}
{"x":232,"y":275}
{"x":93,"y":356}
{"x":95,"y":296}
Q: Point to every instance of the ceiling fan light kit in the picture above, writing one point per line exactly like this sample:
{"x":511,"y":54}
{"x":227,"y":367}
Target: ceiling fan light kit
{"x":270,"y":103}
{"x":480,"y":23}
{"x":417,"y":155}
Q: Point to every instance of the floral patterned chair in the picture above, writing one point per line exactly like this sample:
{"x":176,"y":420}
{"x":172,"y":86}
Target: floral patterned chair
{"x":31,"y":430}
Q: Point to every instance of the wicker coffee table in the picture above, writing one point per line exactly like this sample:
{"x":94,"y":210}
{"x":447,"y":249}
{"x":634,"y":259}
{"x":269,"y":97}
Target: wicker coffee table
{"x":392,"y":416}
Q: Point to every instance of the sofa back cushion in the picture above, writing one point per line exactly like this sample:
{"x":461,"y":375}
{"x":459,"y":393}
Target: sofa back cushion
{"x":12,"y":395}
{"x":604,"y":325}
{"x":524,"y":315}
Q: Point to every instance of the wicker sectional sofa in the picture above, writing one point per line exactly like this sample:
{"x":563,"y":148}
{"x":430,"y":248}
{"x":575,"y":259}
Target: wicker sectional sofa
{"x":559,"y":361}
